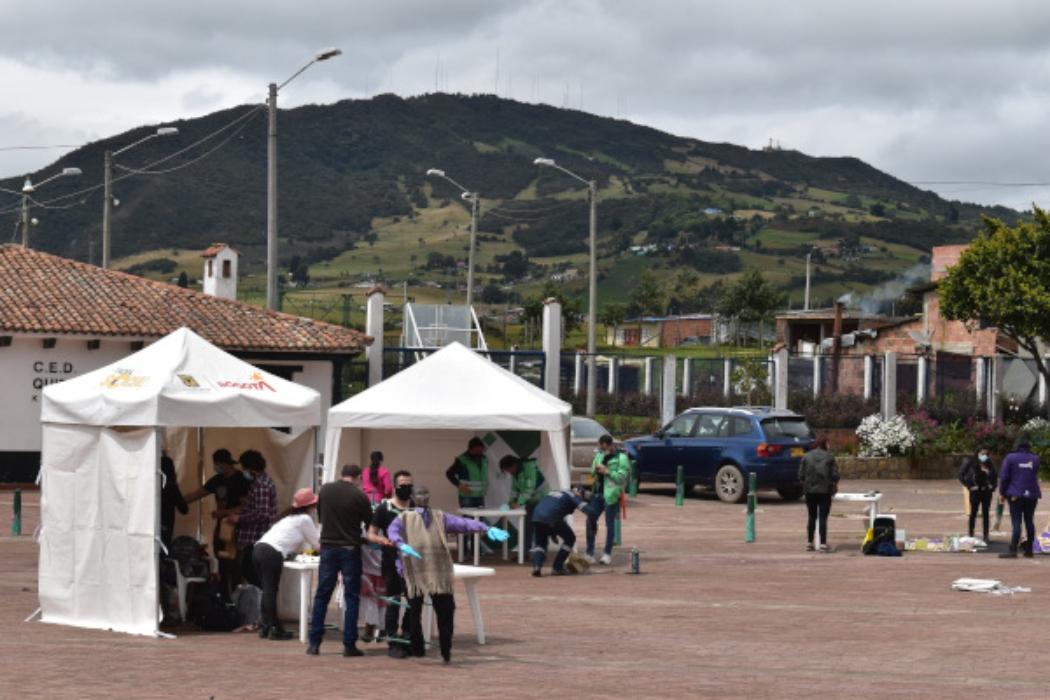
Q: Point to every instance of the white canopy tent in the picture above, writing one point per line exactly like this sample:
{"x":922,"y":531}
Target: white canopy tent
{"x":100,"y":489}
{"x":423,"y":416}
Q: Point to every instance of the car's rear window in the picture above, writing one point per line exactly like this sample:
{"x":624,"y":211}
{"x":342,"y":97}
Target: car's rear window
{"x":585,"y":428}
{"x":787,"y":427}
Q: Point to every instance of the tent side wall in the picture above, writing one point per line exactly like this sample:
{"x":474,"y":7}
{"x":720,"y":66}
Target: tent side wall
{"x":99,"y":516}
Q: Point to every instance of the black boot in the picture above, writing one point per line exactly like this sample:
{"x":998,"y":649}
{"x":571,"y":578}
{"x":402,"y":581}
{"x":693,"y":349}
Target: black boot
{"x":264,"y":632}
{"x":280,"y":634}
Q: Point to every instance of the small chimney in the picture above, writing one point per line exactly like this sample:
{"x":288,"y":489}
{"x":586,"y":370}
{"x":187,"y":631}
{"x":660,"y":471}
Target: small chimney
{"x":220,"y":271}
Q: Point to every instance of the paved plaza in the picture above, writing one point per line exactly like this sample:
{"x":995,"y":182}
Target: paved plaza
{"x":711,"y":616}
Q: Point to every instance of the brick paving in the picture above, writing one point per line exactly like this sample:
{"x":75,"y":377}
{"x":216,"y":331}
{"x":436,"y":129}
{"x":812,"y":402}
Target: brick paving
{"x":710,"y":617}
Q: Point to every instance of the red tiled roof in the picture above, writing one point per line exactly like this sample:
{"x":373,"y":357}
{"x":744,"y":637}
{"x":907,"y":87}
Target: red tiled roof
{"x":215,"y":249}
{"x":42,"y":293}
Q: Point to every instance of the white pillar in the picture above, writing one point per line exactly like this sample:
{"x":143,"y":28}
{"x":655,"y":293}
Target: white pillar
{"x":816,"y":376}
{"x":770,"y":365}
{"x":869,"y":376}
{"x":979,"y":377}
{"x":687,"y":376}
{"x":889,"y":385}
{"x":780,"y":369}
{"x":995,"y":384}
{"x":1042,"y":388}
{"x":512,"y":361}
{"x":647,"y":386}
{"x":374,"y":328}
{"x":552,"y":346}
{"x":920,"y":381}
{"x":667,"y":411}
{"x":727,"y":377}
{"x":614,"y":374}
{"x":577,"y":374}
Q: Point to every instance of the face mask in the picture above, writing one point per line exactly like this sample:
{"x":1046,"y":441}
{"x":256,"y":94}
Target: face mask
{"x":249,"y":475}
{"x":983,"y":458}
{"x":404,"y":492}
{"x":218,"y":468}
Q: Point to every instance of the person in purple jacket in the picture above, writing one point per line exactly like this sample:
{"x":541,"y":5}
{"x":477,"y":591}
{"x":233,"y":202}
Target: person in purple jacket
{"x":420,"y":534}
{"x":1019,"y":485}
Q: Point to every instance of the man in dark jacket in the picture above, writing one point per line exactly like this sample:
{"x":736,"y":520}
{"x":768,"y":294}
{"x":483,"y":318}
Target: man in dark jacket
{"x":548,"y":522}
{"x":1019,"y":484}
{"x":820,"y":480}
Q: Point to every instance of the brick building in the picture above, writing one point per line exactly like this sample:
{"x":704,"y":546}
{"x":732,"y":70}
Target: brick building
{"x":663,"y":331}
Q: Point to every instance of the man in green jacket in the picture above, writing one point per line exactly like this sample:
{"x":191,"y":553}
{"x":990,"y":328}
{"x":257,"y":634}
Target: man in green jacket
{"x":470,"y":474}
{"x":527,"y":487}
{"x":610,"y":471}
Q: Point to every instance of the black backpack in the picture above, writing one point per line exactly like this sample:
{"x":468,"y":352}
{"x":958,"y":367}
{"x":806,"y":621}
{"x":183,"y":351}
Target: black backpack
{"x":189,"y":554}
{"x":210,"y":611}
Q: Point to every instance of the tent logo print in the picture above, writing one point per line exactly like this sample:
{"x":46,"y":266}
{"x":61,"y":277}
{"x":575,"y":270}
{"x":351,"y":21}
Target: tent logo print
{"x":188,"y":381}
{"x":257,"y":383}
{"x":123,"y":379}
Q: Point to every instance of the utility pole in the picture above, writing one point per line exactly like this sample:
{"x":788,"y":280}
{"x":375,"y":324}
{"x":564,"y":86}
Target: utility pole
{"x":25,"y":218}
{"x":107,"y":206}
{"x":805,"y":301}
{"x":592,"y":310}
{"x":272,"y":302}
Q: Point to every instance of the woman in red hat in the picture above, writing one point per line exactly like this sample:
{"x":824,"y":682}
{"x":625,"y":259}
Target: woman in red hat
{"x":287,"y":537}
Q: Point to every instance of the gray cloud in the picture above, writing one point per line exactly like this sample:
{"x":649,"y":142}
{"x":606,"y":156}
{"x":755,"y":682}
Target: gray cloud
{"x":938,"y":90}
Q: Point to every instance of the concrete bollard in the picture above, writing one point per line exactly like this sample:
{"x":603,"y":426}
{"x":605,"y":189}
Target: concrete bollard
{"x":679,"y":490}
{"x":616,"y":532}
{"x":16,"y":518}
{"x":749,"y":528}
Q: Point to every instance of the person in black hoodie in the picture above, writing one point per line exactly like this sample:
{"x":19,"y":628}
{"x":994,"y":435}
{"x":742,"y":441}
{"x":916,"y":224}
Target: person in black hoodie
{"x":979,"y":475}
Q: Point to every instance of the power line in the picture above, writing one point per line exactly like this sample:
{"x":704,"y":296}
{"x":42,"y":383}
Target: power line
{"x":199,"y":158}
{"x":42,"y":148}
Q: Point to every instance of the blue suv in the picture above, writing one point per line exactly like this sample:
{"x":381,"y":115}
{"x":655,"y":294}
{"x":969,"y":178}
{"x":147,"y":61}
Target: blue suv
{"x":719,"y":447}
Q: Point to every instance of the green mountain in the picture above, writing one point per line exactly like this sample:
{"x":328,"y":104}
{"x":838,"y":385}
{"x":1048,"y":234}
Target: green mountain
{"x":355,"y":202}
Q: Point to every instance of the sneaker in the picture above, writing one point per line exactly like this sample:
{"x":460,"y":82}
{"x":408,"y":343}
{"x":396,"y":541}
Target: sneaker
{"x":280,"y":634}
{"x":825,"y":548}
{"x":589,"y":558}
{"x":264,"y":632}
{"x":809,"y":547}
{"x":536,"y":573}
{"x":606,"y":559}
{"x":1008,"y":555}
{"x":369,"y":635}
{"x":1028,"y":554}
{"x":352,"y":651}
{"x":313,"y":650}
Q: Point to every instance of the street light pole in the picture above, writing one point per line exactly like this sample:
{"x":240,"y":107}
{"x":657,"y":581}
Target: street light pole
{"x":272,"y":294}
{"x":474,"y":199}
{"x":272,"y":301}
{"x":107,"y":189}
{"x":592,"y":290}
{"x":27,"y":191}
{"x":25,"y":216}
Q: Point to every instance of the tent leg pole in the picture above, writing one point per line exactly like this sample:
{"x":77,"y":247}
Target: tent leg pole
{"x":317,"y":452}
{"x":200,"y":477}
{"x":35,"y":614}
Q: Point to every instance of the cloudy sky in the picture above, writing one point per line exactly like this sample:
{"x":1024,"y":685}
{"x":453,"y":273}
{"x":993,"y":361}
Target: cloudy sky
{"x":939,"y":90}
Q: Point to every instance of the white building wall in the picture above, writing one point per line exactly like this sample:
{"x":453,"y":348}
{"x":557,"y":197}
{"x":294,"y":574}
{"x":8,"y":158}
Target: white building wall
{"x":215,"y":281}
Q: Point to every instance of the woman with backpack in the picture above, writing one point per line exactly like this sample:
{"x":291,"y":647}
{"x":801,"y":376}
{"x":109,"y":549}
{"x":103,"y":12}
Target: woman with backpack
{"x":287,"y":537}
{"x":376,"y":481}
{"x":979,"y":475}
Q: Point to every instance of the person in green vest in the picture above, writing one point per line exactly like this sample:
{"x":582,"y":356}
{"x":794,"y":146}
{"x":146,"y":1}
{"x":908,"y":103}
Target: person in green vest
{"x":610,"y":470}
{"x":527,"y":487}
{"x":470,"y":474}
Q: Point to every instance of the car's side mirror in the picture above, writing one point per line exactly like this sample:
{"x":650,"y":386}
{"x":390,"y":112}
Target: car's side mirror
{"x":659,"y":434}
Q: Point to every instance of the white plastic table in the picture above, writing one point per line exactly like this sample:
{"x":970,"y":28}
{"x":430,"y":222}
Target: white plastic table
{"x":501,"y":515}
{"x":468,"y":574}
{"x":872,"y":497}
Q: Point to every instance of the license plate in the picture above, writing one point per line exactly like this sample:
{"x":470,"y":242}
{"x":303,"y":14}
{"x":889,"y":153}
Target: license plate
{"x":797,"y":451}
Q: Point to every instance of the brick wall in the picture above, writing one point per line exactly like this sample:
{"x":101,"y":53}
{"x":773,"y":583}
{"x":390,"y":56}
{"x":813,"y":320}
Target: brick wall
{"x":672,"y":333}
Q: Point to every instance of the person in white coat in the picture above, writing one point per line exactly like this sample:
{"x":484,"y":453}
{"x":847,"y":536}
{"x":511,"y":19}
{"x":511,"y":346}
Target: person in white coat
{"x":287,"y":537}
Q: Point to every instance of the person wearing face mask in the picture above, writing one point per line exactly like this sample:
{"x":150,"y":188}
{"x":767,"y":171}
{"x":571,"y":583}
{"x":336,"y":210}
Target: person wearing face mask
{"x":610,"y":471}
{"x":979,"y":475}
{"x":257,"y":513}
{"x":421,"y":534}
{"x":385,"y":514}
{"x":229,"y":486}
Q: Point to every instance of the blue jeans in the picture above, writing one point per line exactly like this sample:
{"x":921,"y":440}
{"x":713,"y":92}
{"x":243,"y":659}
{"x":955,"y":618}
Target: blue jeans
{"x":594,"y":511}
{"x":335,"y":561}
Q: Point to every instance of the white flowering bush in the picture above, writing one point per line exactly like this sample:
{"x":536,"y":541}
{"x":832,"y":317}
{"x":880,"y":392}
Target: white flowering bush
{"x":884,"y":438}
{"x":1036,"y":425}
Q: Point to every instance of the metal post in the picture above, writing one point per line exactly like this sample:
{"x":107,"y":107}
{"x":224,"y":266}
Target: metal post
{"x":107,"y":206}
{"x":979,"y":376}
{"x":473,"y":244}
{"x":727,"y":377}
{"x":920,"y":384}
{"x":869,"y":376}
{"x":592,"y":310}
{"x":374,"y":328}
{"x":805,"y":300}
{"x":816,"y":376}
{"x":679,"y":487}
{"x":552,"y":346}
{"x":25,"y":220}
{"x":614,"y":375}
{"x":889,"y":385}
{"x":577,"y":377}
{"x":271,"y":203}
{"x":749,"y":527}
{"x":780,"y":370}
{"x":667,"y":395}
{"x":687,"y":376}
{"x":647,"y":384}
{"x":16,"y":519}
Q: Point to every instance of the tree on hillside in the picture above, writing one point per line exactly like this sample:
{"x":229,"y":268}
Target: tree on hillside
{"x":751,"y":299}
{"x":184,"y":280}
{"x":647,"y":298}
{"x":613,"y":314}
{"x":1003,"y":280}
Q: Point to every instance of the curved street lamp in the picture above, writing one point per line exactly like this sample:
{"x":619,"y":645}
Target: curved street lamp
{"x":28,"y":189}
{"x":471,"y":197}
{"x":592,"y":302}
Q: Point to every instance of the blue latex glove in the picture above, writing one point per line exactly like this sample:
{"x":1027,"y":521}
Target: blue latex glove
{"x":497,"y":534}
{"x":408,"y":551}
